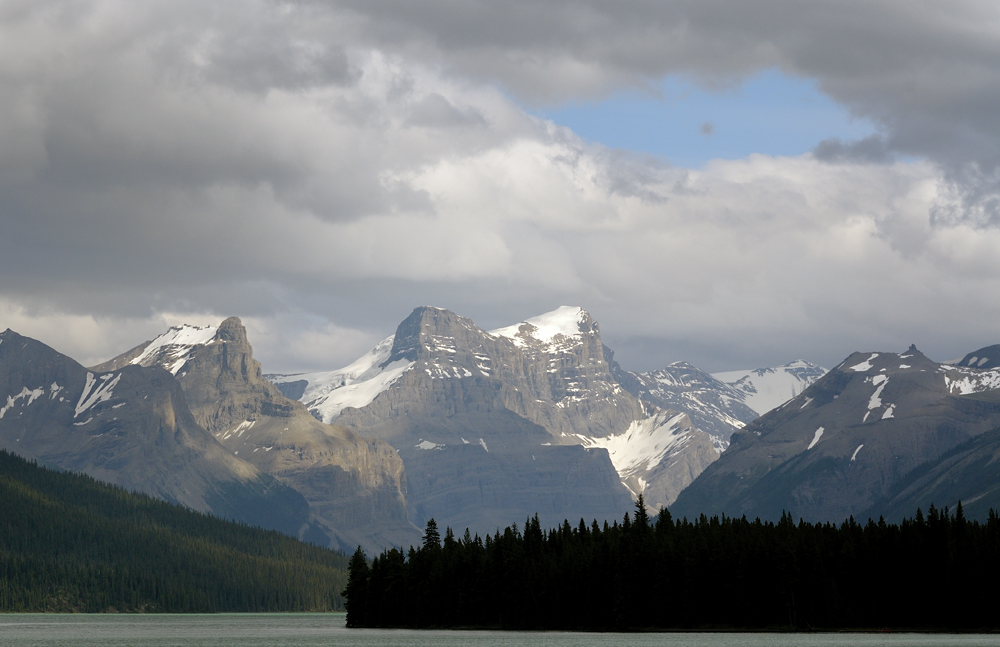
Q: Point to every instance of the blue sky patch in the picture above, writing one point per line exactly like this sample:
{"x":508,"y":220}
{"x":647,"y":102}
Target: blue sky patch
{"x":769,"y":113}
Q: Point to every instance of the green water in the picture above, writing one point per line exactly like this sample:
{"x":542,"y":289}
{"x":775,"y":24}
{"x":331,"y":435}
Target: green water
{"x":253,"y":630}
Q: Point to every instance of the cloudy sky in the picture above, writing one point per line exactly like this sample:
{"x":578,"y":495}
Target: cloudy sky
{"x":732,"y":184}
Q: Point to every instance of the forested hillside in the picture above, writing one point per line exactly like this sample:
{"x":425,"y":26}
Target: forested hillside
{"x":720,"y":573}
{"x":70,"y":543}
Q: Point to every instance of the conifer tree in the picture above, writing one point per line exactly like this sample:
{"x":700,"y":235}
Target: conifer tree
{"x":432,"y":538}
{"x":356,"y":591}
{"x":641,"y":517}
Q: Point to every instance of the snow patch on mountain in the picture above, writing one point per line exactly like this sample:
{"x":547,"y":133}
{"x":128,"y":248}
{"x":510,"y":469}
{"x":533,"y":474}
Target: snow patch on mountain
{"x":92,"y":396}
{"x":546,"y":328}
{"x":961,"y":380}
{"x":645,"y":444}
{"x":238,"y":430}
{"x":356,"y":385}
{"x":31,"y":395}
{"x":876,"y":400}
{"x":865,"y":365}
{"x":767,"y":388}
{"x":855,"y":454}
{"x":173,"y":348}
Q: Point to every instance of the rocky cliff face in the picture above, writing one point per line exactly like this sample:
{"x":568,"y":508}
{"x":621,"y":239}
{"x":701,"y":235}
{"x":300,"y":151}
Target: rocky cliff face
{"x":848,"y":441}
{"x":355,"y":486}
{"x":573,"y":390}
{"x":132,"y":427}
{"x":534,"y":407}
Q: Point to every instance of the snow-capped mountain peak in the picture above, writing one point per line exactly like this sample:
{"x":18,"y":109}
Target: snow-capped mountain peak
{"x":565,"y":321}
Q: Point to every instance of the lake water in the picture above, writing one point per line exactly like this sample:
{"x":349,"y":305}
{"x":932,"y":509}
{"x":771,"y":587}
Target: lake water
{"x":260,"y":630}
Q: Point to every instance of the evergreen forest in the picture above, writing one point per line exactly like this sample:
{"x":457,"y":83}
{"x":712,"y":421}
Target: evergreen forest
{"x":931,"y":572}
{"x":72,"y":544}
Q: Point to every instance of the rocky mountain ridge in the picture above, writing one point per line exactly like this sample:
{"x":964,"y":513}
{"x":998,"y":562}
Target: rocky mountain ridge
{"x":130,"y":426}
{"x":547,"y":377}
{"x":355,"y":486}
{"x":846,"y":442}
{"x":475,"y":428}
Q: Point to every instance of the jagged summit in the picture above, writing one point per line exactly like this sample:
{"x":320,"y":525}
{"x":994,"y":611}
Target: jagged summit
{"x":427,"y":333}
{"x":355,"y":486}
{"x":130,"y":426}
{"x":233,"y":330}
{"x":516,"y":401}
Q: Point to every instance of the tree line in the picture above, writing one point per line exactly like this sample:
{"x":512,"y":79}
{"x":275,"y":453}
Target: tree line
{"x":926,"y":573}
{"x":71,"y":543}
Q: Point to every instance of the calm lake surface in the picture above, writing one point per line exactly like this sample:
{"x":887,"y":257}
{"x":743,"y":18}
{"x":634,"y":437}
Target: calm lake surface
{"x":51,"y":630}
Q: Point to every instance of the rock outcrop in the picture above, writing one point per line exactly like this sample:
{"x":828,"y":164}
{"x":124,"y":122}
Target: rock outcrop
{"x":130,"y":426}
{"x":355,"y":486}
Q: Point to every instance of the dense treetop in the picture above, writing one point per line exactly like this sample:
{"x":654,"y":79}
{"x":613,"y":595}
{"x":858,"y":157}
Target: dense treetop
{"x":662,"y":573}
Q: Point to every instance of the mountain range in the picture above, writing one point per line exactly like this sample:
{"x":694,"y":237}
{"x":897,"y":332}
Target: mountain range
{"x":477,"y":428}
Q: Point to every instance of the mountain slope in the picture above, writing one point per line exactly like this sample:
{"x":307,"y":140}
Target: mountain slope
{"x":355,"y":486}
{"x":968,"y":473}
{"x":517,"y":402}
{"x":70,"y":543}
{"x":131,"y":427}
{"x":844,"y":442}
{"x":722,"y":403}
{"x":984,"y":358}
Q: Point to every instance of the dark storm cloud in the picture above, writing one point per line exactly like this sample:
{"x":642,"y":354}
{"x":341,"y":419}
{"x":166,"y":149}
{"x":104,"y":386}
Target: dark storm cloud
{"x":321,"y":168}
{"x":871,"y":149}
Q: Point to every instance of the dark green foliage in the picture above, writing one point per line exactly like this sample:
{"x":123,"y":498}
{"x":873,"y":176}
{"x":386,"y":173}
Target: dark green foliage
{"x":720,"y":573}
{"x":70,"y":543}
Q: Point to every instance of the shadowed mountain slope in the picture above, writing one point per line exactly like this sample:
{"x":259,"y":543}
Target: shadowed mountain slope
{"x":846,"y":442}
{"x":130,"y":427}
